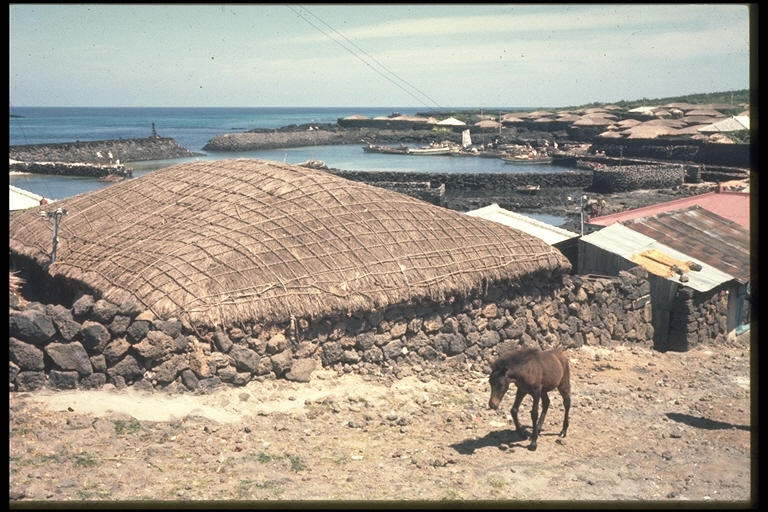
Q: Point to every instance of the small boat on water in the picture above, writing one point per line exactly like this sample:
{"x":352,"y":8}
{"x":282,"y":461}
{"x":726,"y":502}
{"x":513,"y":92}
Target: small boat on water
{"x":401,"y":150}
{"x":432,"y":150}
{"x":372,"y":148}
{"x":528,"y":189}
{"x":527,"y":160}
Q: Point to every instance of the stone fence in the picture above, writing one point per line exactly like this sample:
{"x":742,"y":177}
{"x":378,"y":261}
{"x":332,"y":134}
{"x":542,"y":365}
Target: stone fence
{"x":697,"y":317}
{"x":70,"y":169}
{"x":95,"y":342}
{"x":474,"y":181}
{"x":635,"y":177}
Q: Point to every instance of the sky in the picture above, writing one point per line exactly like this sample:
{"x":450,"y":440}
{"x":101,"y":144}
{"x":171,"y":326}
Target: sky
{"x":372,"y":55}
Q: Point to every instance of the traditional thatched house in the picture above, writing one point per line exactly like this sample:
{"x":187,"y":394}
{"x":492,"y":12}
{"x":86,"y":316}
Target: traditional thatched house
{"x":241,"y":269}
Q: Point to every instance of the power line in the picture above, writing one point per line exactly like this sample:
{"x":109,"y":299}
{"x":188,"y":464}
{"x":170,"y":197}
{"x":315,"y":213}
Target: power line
{"x":369,"y":56}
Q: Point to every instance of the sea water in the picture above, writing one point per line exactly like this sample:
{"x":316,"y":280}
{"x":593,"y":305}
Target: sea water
{"x":194,"y":127}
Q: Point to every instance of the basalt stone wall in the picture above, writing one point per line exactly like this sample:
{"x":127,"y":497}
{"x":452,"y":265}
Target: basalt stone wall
{"x":696,"y":151}
{"x":635,"y":177}
{"x":475,"y":181}
{"x":697,"y":317}
{"x":65,"y":169}
{"x":97,"y":152}
{"x":95,"y":342}
{"x":420,"y":190}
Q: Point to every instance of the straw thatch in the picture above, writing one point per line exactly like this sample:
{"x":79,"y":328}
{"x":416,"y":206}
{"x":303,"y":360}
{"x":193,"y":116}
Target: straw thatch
{"x":628,"y":123}
{"x":593,"y":121}
{"x":646,"y":131}
{"x":234,"y":241}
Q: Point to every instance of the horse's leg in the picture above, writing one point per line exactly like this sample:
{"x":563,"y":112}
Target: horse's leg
{"x":544,"y":408}
{"x":535,"y":418}
{"x":567,"y":404}
{"x":515,"y":408}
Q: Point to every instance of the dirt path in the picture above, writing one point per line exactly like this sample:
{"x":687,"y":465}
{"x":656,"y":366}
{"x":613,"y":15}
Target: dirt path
{"x":644,"y":426}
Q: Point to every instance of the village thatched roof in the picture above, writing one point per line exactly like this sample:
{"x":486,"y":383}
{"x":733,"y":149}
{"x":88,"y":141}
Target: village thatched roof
{"x":593,"y":121}
{"x":233,"y":241}
{"x":487,"y":124}
{"x":646,"y":131}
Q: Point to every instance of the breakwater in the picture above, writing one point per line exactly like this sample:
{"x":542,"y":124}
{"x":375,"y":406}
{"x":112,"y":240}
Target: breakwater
{"x":102,"y":152}
{"x":475,"y":181}
{"x":72,"y":169}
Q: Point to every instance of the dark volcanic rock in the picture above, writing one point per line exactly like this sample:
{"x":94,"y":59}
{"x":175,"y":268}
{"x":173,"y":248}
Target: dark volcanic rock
{"x":124,"y":150}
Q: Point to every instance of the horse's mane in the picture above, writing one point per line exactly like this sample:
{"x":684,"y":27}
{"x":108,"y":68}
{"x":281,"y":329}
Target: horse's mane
{"x":516,"y":356}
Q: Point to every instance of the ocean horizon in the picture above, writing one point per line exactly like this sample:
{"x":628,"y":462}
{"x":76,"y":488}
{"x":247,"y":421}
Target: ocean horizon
{"x":193,"y":127}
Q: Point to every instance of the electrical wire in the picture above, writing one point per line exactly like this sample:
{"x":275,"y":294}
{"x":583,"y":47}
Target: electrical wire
{"x":369,"y":56}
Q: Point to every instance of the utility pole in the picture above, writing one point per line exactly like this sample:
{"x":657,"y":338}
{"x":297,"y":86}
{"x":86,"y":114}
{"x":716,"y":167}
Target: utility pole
{"x":56,"y":216}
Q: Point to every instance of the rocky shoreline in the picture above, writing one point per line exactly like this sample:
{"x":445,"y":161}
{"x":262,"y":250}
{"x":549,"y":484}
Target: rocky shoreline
{"x":102,"y":152}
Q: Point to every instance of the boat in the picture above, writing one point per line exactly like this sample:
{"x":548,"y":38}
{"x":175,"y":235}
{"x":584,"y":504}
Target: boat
{"x":528,"y":160}
{"x":401,"y":150}
{"x":372,"y":148}
{"x":528,"y":189}
{"x":431,"y":150}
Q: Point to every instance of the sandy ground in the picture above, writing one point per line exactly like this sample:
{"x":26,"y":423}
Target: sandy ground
{"x":671,"y":427}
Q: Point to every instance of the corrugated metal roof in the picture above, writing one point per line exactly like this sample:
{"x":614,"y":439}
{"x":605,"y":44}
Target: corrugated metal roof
{"x":732,"y":124}
{"x":733,"y":206}
{"x":541,"y":230}
{"x":635,"y":246}
{"x":703,"y":235}
{"x":20,"y":199}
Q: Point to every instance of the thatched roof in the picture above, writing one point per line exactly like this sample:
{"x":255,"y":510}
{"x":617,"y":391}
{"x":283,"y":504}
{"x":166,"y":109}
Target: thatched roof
{"x":704,"y":112}
{"x":628,"y":123}
{"x":646,"y":131}
{"x":593,"y":121}
{"x":487,"y":124}
{"x":234,"y":241}
{"x":672,"y":123}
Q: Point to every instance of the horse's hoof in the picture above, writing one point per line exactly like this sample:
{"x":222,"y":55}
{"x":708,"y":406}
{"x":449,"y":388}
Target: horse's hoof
{"x":562,"y":434}
{"x":532,"y":447}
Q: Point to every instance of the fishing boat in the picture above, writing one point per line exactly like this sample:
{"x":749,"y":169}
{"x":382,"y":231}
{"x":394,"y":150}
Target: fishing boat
{"x":527,"y":160}
{"x":401,"y":150}
{"x":372,"y":148}
{"x":528,"y":189}
{"x":431,"y":150}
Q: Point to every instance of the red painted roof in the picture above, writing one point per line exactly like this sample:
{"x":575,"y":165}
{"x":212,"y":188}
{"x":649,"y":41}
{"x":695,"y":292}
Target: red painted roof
{"x":733,"y":206}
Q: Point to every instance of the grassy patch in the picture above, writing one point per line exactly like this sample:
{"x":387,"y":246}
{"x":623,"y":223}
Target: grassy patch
{"x":496,"y":484}
{"x":296,"y":463}
{"x":126,"y":427}
{"x":84,"y":460}
{"x":263,"y":457}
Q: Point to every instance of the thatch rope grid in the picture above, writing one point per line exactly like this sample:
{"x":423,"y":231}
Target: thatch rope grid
{"x":236,"y":241}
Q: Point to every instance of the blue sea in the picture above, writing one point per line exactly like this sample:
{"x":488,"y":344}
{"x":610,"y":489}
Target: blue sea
{"x":194,"y":127}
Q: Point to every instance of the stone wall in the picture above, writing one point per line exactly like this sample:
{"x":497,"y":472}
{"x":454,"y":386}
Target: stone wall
{"x":697,"y":317}
{"x":68,"y":169}
{"x":98,"y":151}
{"x":637,"y":177}
{"x":95,"y":342}
{"x":475,"y":181}
{"x":688,"y":150}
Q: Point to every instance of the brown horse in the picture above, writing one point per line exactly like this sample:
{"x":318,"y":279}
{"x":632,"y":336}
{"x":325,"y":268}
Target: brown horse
{"x":535,"y":373}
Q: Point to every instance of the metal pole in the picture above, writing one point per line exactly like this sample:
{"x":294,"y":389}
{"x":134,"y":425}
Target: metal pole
{"x":581,"y":202}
